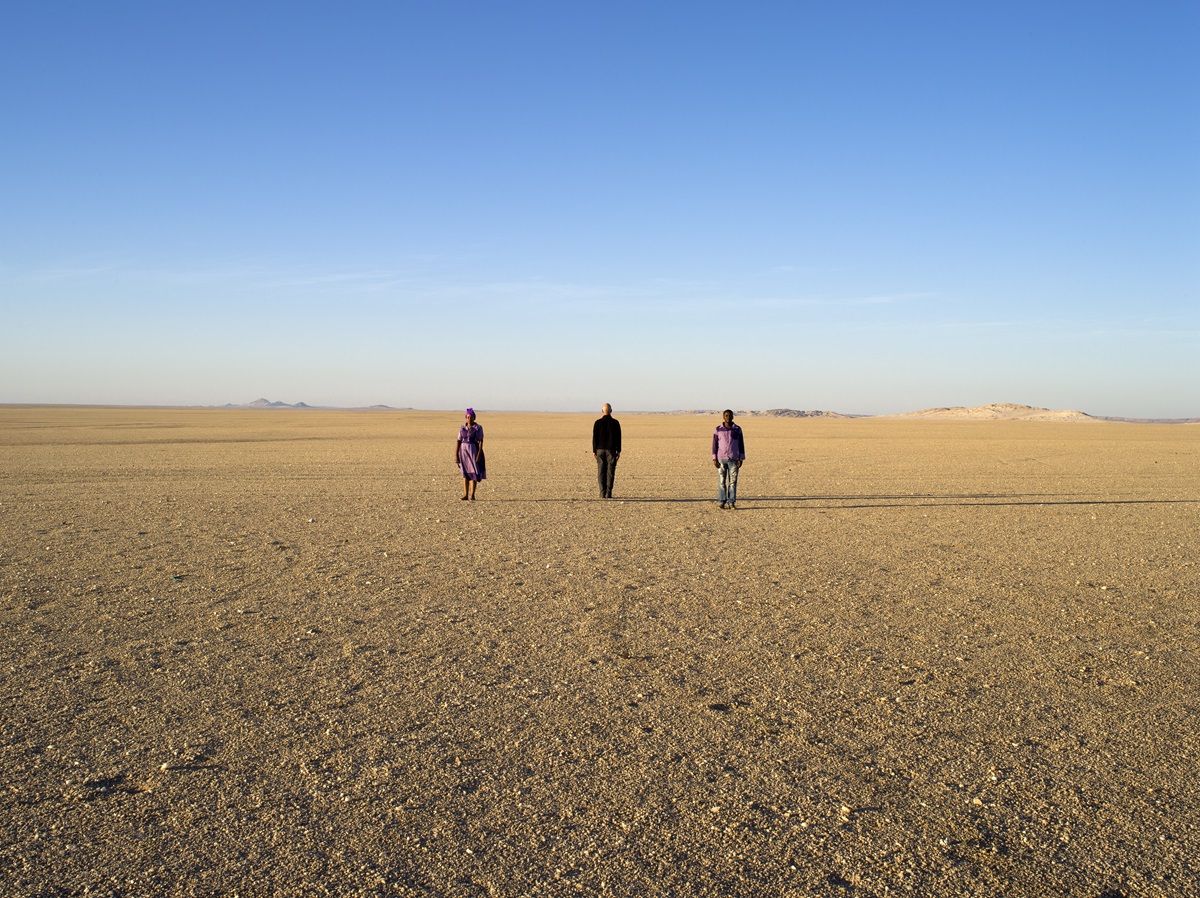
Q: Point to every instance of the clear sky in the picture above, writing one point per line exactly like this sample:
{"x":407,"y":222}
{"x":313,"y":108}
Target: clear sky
{"x":864,"y":207}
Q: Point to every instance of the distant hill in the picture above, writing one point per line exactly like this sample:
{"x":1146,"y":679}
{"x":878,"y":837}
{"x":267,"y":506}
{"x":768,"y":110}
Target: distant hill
{"x":793,"y":413}
{"x":1009,"y":411}
{"x":267,"y":403}
{"x":1153,"y":420}
{"x":752,"y":413}
{"x":998,"y":411}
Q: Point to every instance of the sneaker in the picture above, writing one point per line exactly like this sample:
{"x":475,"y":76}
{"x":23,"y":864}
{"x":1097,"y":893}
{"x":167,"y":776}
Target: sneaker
{"x":733,"y":506}
{"x":722,"y":505}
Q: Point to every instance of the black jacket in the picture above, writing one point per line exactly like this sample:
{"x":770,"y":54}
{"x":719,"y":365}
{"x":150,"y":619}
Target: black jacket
{"x":606,"y":434}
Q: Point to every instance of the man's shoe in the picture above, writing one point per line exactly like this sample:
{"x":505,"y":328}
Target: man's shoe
{"x":733,"y":506}
{"x":722,"y":505}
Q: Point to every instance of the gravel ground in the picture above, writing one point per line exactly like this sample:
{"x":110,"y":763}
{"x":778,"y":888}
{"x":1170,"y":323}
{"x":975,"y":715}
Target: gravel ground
{"x":272,"y":653}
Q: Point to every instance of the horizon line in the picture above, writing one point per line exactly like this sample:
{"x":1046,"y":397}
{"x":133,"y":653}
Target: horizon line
{"x":929,"y":413}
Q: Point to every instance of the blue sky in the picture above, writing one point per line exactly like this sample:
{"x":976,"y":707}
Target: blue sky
{"x":865,"y":207}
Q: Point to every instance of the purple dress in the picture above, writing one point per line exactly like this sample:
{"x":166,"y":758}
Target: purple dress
{"x":470,"y":438}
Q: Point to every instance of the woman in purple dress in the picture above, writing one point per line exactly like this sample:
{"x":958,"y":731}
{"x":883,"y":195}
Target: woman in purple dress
{"x":468,"y":455}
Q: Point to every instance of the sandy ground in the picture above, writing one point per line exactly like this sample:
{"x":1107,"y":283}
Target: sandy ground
{"x":272,"y":653}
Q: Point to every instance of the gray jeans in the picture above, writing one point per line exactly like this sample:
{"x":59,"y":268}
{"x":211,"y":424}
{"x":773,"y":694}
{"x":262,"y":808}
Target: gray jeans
{"x":606,"y":471}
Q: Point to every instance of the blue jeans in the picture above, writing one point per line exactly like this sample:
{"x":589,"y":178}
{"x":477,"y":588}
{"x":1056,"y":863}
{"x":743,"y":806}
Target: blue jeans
{"x":727,"y":472}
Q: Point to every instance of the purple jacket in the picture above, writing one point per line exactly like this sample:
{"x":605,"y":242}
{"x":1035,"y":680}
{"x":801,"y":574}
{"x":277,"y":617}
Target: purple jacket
{"x":728,"y":443}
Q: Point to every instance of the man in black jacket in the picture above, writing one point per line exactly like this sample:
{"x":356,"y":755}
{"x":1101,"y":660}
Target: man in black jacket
{"x":606,"y":447}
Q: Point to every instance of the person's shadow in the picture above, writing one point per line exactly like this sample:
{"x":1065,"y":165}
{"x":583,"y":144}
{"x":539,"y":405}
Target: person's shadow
{"x":912,"y":500}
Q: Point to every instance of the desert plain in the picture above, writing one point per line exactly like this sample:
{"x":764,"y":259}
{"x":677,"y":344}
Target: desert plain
{"x":273,"y":653}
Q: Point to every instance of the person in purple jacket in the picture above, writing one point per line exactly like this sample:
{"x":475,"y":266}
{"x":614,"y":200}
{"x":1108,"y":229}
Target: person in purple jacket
{"x":728,"y":452}
{"x":468,"y":455}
